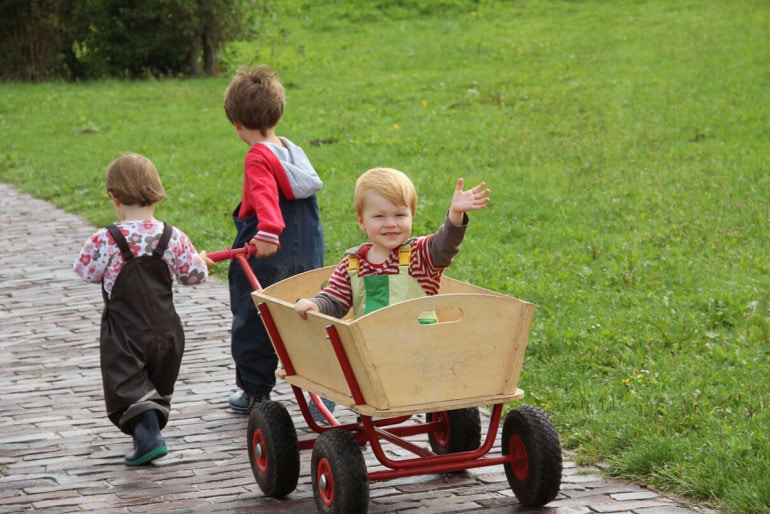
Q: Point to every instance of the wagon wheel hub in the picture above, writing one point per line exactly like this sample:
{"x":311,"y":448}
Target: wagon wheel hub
{"x":325,"y":480}
{"x":260,"y":456}
{"x":519,"y":460}
{"x":441,"y":433}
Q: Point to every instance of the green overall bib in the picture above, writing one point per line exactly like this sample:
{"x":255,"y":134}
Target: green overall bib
{"x":376,"y":291}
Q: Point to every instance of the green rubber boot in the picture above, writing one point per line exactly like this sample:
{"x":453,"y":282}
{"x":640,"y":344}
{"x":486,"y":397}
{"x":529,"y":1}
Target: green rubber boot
{"x":149,"y":443}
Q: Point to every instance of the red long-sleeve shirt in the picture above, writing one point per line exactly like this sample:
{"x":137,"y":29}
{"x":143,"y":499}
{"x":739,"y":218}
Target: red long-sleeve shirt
{"x":265,"y":173}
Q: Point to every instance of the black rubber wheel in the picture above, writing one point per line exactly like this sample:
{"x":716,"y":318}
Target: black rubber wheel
{"x":530,"y":438}
{"x":338,"y":471}
{"x":273,"y":449}
{"x":460,"y":432}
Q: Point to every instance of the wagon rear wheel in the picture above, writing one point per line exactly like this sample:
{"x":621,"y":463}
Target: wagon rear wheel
{"x":273,"y":449}
{"x":459,"y":430}
{"x":338,"y":471}
{"x":530,"y":439}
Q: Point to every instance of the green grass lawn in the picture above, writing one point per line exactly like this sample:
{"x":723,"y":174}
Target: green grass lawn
{"x":627,"y":148}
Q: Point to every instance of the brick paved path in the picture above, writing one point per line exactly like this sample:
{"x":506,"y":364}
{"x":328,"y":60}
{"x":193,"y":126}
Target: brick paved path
{"x":59,"y":453}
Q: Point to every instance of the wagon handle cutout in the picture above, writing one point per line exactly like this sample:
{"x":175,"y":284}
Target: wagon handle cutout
{"x":440,"y":316}
{"x":428,"y":311}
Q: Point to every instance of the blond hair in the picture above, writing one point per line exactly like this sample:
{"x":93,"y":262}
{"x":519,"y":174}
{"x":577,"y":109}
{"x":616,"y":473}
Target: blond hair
{"x":392,"y":184}
{"x":255,"y":99}
{"x":133,"y":180}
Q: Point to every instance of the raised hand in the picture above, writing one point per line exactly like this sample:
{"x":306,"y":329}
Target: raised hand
{"x":473,"y":199}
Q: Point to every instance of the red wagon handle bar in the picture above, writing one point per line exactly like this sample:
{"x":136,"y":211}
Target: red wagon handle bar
{"x":242,"y":256}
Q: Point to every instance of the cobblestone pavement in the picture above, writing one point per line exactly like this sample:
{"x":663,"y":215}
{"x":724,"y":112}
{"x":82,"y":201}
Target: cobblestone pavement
{"x":59,"y":453}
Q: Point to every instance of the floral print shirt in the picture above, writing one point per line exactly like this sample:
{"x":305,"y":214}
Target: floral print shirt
{"x":100,"y":259}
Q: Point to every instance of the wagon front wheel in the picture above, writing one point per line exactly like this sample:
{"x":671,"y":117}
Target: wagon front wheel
{"x":273,"y":449}
{"x":458,"y":430}
{"x":534,"y":469}
{"x":338,"y":471}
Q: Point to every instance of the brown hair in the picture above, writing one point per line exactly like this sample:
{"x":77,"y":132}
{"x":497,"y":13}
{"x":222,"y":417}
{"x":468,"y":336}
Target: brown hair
{"x":255,"y":99}
{"x":392,"y":184}
{"x":133,"y":180}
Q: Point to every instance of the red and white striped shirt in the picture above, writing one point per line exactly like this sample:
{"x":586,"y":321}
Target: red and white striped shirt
{"x":421,"y":267}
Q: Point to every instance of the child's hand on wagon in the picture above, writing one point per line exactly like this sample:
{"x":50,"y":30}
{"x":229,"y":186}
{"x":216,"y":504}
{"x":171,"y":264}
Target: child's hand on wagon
{"x":263,"y":248}
{"x":206,"y":259}
{"x":303,"y":306}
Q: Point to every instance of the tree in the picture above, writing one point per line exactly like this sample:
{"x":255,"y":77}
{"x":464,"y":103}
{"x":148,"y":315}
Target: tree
{"x":30,"y":39}
{"x":43,"y":39}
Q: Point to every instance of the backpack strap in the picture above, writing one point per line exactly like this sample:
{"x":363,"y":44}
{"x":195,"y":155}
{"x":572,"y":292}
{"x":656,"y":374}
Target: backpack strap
{"x":160,"y":249}
{"x":117,"y":236}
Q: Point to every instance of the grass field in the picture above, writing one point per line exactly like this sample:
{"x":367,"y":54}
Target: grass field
{"x":627,"y":148}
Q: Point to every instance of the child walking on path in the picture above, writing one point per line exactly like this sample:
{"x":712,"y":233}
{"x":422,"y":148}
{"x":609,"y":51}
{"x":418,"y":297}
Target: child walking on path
{"x":136,"y":261}
{"x":278,"y":214}
{"x":393,"y":266}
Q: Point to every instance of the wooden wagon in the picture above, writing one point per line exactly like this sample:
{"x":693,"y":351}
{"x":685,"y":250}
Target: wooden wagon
{"x":390,"y":370}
